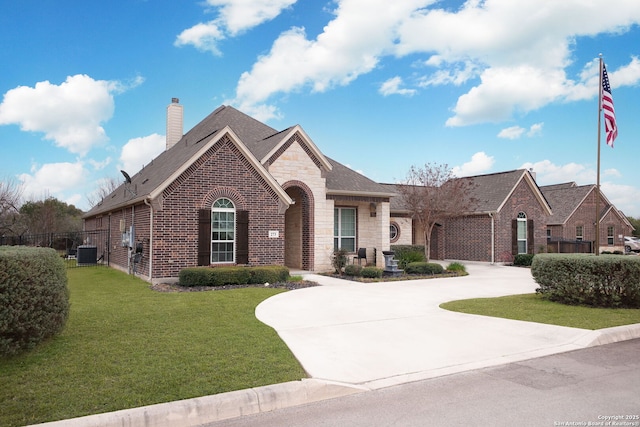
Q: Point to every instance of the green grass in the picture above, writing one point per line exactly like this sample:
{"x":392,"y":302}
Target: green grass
{"x":126,"y":346}
{"x":534,"y":308}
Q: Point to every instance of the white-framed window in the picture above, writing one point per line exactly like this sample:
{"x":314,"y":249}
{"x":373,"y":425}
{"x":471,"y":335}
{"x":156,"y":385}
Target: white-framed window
{"x":579,"y":232}
{"x":610,"y":233}
{"x":522,"y":233}
{"x":344,"y":229}
{"x":223,"y":231}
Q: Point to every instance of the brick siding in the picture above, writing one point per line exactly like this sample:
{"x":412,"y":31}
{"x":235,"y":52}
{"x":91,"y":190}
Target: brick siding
{"x":175,"y":225}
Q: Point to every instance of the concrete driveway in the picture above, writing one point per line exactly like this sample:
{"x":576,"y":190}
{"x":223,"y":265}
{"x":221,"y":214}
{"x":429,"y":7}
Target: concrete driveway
{"x":381,"y":334}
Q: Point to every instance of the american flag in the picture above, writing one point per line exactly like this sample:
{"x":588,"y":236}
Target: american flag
{"x":610,"y":126}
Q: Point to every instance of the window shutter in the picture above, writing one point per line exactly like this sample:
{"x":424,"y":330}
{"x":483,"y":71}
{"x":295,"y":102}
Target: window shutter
{"x":242,"y":237}
{"x":530,"y":243}
{"x":204,"y":237}
{"x":514,"y":237}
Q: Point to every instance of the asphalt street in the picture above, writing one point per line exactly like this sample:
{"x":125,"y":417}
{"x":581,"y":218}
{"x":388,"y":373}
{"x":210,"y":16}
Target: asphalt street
{"x":593,"y":386}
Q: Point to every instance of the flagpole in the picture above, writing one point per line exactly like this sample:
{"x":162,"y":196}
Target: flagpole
{"x":597,"y":239}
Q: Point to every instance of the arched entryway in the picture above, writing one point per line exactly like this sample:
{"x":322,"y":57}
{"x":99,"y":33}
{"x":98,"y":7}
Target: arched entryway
{"x":298,"y":228}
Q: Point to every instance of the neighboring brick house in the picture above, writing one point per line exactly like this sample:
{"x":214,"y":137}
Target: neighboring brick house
{"x":233,"y":190}
{"x":574,"y":216}
{"x":508,"y":216}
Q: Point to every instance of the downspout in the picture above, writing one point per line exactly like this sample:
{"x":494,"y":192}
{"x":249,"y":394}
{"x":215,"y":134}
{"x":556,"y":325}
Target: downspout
{"x":493,"y":238}
{"x":148,"y":203}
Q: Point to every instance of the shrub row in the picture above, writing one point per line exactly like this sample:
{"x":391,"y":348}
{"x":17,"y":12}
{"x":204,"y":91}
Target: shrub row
{"x":34,"y":298}
{"x":423,"y":268}
{"x":582,"y":279}
{"x":523,"y":260}
{"x":406,"y":254}
{"x":356,"y":270}
{"x":221,"y":276}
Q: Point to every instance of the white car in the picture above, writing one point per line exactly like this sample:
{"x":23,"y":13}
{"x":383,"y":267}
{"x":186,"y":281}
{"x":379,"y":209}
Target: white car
{"x":631,"y":243}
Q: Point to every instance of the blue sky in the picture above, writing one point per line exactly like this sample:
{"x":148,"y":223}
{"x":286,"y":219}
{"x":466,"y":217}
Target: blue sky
{"x":483,"y":86}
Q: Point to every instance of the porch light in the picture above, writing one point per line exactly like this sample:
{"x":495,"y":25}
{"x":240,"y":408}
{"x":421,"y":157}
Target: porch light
{"x":372,"y":209}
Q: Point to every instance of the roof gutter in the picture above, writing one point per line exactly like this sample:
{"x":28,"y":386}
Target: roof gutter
{"x":359,"y":193}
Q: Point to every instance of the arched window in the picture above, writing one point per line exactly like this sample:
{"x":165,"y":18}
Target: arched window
{"x":223,"y":231}
{"x":522,"y":233}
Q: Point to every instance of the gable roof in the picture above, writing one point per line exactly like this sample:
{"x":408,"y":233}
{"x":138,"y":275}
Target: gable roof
{"x":565,"y":199}
{"x":490,"y":192}
{"x":257,"y":141}
{"x":342,"y":180}
{"x":148,"y":184}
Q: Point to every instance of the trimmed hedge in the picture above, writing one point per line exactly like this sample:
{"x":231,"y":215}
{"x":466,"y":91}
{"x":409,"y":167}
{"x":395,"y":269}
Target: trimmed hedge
{"x":423,"y":268}
{"x":406,"y":254}
{"x":221,"y":276}
{"x":353,"y":270}
{"x":371,"y":272}
{"x":611,"y":281}
{"x":523,"y":260}
{"x":34,"y":298}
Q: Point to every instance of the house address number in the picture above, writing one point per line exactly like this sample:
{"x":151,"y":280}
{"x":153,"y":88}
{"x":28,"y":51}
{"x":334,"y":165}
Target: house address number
{"x":274,"y":234}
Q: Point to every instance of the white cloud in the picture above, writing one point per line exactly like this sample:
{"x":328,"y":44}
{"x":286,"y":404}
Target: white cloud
{"x":548,"y":173}
{"x":612,"y":173}
{"x":234,"y":17}
{"x":515,"y":132}
{"x":517,"y":51}
{"x":506,"y":90}
{"x":99,"y":165}
{"x":239,"y":16}
{"x":535,"y":130}
{"x":457,"y":74}
{"x":352,"y":44}
{"x":203,"y":37}
{"x":624,"y":197}
{"x":70,"y":114}
{"x":480,"y":162}
{"x":392,"y":87}
{"x":138,"y":152}
{"x":53,"y":179}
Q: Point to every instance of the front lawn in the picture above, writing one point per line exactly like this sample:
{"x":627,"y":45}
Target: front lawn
{"x":126,"y":346}
{"x":534,"y":308}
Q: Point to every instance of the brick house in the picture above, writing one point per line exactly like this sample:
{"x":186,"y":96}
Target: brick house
{"x":509,"y":216}
{"x":574,"y":216}
{"x":234,"y":191}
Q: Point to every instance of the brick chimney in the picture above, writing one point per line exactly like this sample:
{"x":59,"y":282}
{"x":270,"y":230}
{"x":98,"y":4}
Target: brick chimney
{"x":174,"y":122}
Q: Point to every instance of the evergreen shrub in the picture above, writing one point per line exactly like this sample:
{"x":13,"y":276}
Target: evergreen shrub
{"x":34,"y":298}
{"x":354,"y":270}
{"x":406,"y":254}
{"x":611,"y":281}
{"x":423,"y":268}
{"x":233,"y":275}
{"x":523,"y":260}
{"x":371,"y":272}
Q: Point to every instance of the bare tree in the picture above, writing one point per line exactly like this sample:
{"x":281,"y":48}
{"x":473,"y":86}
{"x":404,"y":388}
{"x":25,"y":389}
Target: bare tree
{"x":10,"y":199}
{"x":106,"y":186}
{"x":432,"y":194}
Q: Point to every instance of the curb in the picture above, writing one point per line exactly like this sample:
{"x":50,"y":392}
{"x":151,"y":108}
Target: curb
{"x":219,"y":407}
{"x":610,"y":335}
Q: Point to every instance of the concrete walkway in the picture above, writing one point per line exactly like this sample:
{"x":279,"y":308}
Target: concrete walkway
{"x":352,"y":337}
{"x":380,"y":334}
